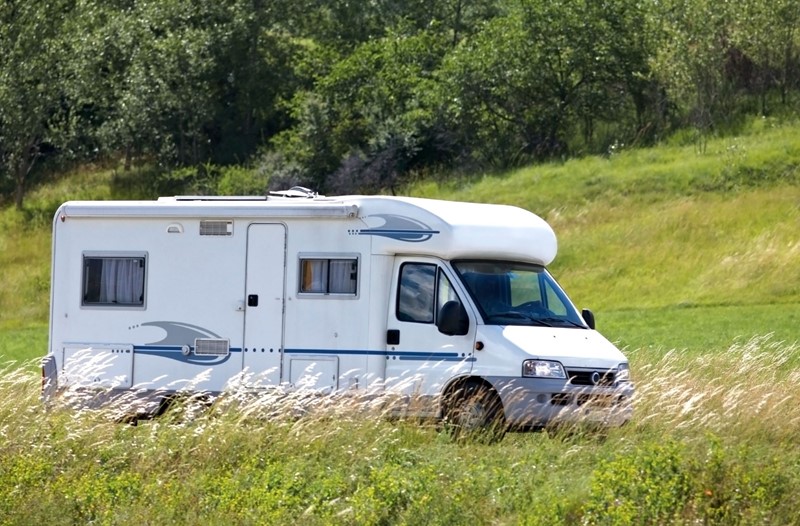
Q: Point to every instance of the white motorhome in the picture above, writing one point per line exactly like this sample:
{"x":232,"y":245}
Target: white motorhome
{"x":447,"y":303}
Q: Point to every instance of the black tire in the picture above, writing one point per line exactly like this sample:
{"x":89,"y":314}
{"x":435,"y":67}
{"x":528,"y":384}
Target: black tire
{"x":474,"y":412}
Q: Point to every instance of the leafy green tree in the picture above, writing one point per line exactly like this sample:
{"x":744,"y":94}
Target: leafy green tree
{"x":258,"y":72}
{"x":691,"y":57}
{"x":343,"y":25}
{"x":768,"y":34}
{"x":182,"y":82}
{"x":524,"y":82}
{"x":32,"y":118}
{"x":131,"y":66}
{"x":372,"y":118}
{"x":98,"y":38}
{"x":626,"y":97}
{"x":169,"y":85}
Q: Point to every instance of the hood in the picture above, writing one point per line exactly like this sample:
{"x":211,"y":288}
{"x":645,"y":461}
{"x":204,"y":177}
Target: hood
{"x":572,"y":347}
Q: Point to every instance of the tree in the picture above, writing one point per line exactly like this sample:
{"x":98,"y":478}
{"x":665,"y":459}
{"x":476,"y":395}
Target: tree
{"x":531,"y":75}
{"x":258,"y":71}
{"x":32,"y":117}
{"x":690,"y":59}
{"x":181,"y":82}
{"x":372,"y":118}
{"x":767,"y":34}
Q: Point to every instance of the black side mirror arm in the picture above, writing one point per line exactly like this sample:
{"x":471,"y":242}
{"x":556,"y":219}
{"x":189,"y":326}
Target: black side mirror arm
{"x":588,"y":317}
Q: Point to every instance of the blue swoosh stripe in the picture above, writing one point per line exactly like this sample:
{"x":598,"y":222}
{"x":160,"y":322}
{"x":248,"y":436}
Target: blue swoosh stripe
{"x":437,"y":357}
{"x":401,"y":355}
{"x":170,"y":351}
{"x":175,"y":352}
{"x":335,"y":351}
{"x":396,"y":231}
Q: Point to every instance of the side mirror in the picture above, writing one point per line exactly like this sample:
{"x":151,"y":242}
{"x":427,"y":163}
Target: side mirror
{"x":453,"y":319}
{"x":588,"y":317}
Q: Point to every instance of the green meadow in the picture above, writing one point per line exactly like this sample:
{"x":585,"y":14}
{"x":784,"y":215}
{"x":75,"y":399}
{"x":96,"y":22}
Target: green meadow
{"x":689,"y":258}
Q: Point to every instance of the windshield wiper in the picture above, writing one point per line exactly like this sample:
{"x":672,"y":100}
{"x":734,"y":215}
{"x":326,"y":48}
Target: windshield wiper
{"x":551,"y":320}
{"x":522,"y":316}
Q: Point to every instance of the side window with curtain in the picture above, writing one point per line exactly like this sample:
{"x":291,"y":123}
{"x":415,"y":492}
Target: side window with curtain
{"x":113,"y":281}
{"x":329,"y":276}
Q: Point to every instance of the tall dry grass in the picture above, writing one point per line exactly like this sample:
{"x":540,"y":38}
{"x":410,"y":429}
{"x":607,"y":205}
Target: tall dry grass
{"x":748,"y":392}
{"x":713,"y":440}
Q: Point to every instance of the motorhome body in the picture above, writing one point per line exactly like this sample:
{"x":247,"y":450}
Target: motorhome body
{"x":424,"y":297}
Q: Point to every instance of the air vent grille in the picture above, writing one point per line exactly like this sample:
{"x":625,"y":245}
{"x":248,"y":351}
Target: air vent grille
{"x":211,"y":347}
{"x":216,"y":228}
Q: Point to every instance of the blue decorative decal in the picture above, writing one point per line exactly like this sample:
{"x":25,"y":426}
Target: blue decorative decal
{"x":178,"y":333}
{"x":180,"y":336}
{"x":178,"y":342}
{"x":396,"y":227}
{"x":176,"y":353}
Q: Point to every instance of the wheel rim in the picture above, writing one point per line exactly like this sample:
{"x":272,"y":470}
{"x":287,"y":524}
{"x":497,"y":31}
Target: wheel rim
{"x":472,"y":415}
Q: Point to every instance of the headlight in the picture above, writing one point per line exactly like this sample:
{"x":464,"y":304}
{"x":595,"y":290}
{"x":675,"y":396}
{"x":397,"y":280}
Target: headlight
{"x":543,"y":369}
{"x":623,"y":373}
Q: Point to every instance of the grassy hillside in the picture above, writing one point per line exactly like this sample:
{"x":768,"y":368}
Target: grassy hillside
{"x":672,"y":247}
{"x":645,"y":236}
{"x":691,"y":261}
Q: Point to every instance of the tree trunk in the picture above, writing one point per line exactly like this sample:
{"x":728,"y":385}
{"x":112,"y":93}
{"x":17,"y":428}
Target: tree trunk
{"x":19,"y":192}
{"x":21,"y":171}
{"x":128,"y":157}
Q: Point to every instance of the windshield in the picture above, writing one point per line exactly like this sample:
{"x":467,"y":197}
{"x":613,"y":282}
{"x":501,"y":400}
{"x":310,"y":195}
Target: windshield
{"x":509,"y":293}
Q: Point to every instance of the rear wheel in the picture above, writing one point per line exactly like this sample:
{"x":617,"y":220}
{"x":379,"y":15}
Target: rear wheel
{"x":474,"y":412}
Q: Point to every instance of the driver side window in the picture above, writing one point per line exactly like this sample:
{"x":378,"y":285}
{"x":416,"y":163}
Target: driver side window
{"x":423,"y":290}
{"x":415,"y":297}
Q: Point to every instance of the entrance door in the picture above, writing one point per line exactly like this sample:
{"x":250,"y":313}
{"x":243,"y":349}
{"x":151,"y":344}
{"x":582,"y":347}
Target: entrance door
{"x":264,"y":295}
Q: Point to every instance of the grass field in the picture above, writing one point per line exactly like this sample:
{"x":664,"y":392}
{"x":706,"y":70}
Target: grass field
{"x":691,"y":262}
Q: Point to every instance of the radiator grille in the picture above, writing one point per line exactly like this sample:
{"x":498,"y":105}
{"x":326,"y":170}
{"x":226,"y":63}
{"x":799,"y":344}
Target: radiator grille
{"x":208,"y":346}
{"x":589,"y":377}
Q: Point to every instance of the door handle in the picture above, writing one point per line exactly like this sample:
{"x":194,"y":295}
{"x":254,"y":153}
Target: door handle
{"x":252,"y":300}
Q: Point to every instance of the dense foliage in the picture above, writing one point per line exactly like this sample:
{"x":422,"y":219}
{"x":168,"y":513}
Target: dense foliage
{"x":359,"y":95}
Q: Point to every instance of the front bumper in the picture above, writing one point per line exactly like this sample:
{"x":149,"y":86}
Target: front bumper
{"x":533,"y":402}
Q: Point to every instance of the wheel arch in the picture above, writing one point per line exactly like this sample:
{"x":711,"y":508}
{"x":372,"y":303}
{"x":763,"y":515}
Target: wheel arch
{"x":460,"y":383}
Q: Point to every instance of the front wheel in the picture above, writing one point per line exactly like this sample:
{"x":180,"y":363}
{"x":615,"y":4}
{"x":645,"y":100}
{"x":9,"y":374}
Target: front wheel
{"x":474,"y":412}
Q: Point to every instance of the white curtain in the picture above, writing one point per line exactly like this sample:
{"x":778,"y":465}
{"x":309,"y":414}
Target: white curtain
{"x":121,"y":281}
{"x":329,"y":276}
{"x":315,"y":275}
{"x":342,"y":276}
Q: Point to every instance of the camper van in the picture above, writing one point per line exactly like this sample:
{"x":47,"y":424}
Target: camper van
{"x":448,"y":304}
